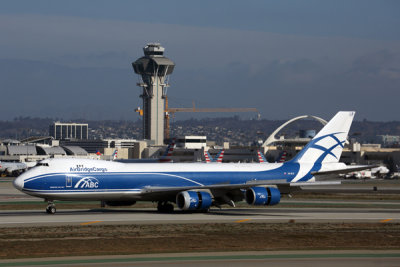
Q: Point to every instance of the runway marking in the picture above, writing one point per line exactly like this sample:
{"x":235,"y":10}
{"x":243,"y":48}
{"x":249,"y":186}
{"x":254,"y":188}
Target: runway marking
{"x":387,"y":220}
{"x":87,"y":223}
{"x":245,"y":220}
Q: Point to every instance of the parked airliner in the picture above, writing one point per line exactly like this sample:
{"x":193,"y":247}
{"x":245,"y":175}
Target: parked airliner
{"x":13,"y":168}
{"x":191,"y":186}
{"x":218,"y":158}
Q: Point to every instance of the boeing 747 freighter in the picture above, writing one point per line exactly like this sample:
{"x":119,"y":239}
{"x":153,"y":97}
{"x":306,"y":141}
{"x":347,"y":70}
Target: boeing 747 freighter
{"x":192,"y":186}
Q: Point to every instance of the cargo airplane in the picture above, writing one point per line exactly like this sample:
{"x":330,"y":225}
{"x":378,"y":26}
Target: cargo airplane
{"x":192,"y":186}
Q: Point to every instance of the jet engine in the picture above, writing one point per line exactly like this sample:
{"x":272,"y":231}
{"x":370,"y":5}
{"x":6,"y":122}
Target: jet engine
{"x":268,"y":196}
{"x":194,"y":200}
{"x":13,"y":172}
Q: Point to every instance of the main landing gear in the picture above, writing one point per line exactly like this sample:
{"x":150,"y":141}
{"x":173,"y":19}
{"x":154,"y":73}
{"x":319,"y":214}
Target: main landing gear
{"x":51,"y":208}
{"x":165,"y":207}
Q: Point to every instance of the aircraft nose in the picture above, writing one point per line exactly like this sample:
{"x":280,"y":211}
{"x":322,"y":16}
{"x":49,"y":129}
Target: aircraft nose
{"x":19,"y":183}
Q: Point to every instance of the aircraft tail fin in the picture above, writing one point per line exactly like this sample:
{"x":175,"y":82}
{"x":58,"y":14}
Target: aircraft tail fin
{"x":261,"y":157}
{"x":115,"y":155}
{"x":218,"y":158}
{"x":327,"y":145}
{"x":166,"y":157}
{"x":282,"y":157}
{"x":207,"y":156}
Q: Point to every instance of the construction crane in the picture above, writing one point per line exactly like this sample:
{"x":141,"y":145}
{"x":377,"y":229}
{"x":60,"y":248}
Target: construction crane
{"x":171,"y":112}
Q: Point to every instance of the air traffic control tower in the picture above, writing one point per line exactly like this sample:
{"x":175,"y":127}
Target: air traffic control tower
{"x":153,"y":69}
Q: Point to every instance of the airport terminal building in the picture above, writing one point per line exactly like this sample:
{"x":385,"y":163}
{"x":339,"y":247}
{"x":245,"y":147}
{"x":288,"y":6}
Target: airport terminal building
{"x":61,"y":131}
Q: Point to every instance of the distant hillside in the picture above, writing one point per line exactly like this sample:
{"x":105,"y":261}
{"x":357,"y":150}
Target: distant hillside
{"x":231,"y":129}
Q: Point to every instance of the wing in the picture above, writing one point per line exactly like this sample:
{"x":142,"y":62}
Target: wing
{"x":234,"y":191}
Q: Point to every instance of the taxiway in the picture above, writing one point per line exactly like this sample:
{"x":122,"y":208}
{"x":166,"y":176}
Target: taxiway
{"x":335,"y":211}
{"x":356,"y":258}
{"x":238,"y":215}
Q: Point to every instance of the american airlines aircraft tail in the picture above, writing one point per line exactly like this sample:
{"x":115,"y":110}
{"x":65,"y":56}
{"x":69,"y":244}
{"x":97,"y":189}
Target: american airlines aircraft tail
{"x":115,"y":155}
{"x":261,"y":157}
{"x":191,"y":186}
{"x":218,"y":158}
{"x":282,"y":157}
{"x":207,"y":156}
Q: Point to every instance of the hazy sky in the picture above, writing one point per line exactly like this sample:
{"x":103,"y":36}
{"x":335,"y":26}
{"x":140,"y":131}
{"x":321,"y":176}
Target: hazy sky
{"x":72,"y":59}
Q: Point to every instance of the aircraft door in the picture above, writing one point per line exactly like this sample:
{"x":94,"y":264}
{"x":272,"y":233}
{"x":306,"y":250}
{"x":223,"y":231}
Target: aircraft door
{"x":68,"y":181}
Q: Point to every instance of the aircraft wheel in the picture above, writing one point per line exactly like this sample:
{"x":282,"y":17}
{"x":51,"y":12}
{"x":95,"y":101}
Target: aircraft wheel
{"x":51,"y":209}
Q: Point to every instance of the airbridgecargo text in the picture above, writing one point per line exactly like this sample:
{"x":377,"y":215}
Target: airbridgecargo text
{"x":80,"y":168}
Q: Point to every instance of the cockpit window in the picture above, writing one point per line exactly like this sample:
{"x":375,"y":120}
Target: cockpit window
{"x":42,"y":164}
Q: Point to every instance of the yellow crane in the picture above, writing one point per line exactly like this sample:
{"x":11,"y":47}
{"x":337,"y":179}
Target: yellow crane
{"x":171,"y":112}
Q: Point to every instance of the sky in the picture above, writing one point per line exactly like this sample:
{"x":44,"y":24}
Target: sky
{"x":72,"y":59}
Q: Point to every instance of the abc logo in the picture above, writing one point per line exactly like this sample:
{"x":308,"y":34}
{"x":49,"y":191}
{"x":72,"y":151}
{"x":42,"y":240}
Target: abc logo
{"x":87,"y":182}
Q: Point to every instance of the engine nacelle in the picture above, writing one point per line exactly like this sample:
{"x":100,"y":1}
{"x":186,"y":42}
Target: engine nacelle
{"x":119,"y":203}
{"x":263,"y":196}
{"x":194,"y":200}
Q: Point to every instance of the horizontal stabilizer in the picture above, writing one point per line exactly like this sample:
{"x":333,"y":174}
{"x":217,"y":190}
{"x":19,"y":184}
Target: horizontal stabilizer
{"x":351,"y":168}
{"x":316,"y":183}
